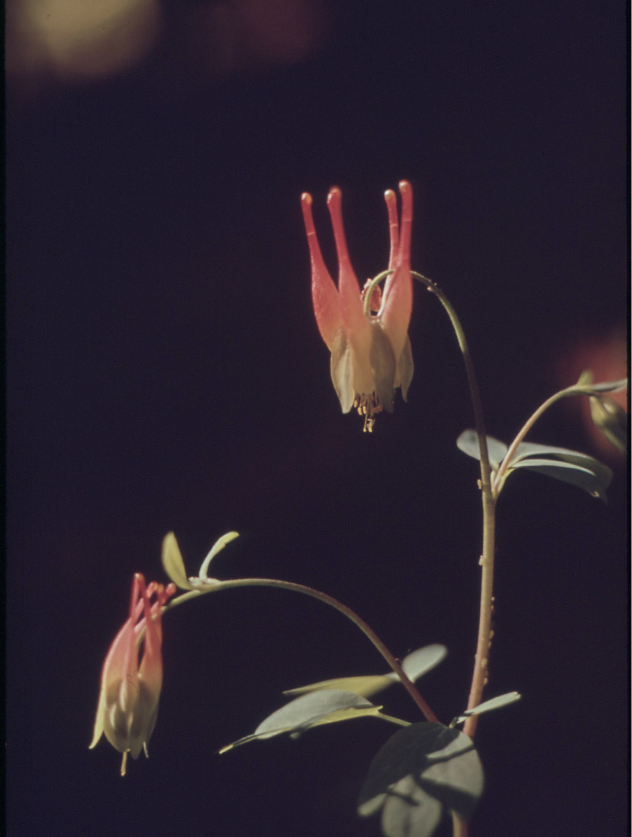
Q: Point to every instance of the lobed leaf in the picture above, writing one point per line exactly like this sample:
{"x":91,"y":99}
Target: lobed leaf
{"x":421,"y":771}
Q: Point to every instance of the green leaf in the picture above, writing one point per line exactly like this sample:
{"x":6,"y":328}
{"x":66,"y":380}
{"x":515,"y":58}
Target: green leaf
{"x":173,"y":564}
{"x":612,"y":420}
{"x":496,"y":450}
{"x":590,"y":480}
{"x":488,"y":706}
{"x":575,"y":467}
{"x":422,"y":660}
{"x":415,"y":664}
{"x":365,"y":685}
{"x":525,"y":449}
{"x":219,"y":544}
{"x":311,"y":710}
{"x":409,"y":811}
{"x":422,"y":770}
{"x":605,"y":386}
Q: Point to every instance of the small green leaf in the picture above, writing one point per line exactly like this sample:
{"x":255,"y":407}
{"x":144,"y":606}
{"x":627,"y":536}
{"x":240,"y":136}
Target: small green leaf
{"x":488,"y":706}
{"x":173,"y":564}
{"x":422,"y":660}
{"x":363,"y":685}
{"x":314,"y":709}
{"x":591,"y":481}
{"x":468,"y":443}
{"x":219,"y":544}
{"x":421,"y":770}
{"x":414,"y":664}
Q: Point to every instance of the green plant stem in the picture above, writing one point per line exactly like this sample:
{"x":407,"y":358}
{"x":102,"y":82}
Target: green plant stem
{"x":214,"y":586}
{"x":483,"y":644}
{"x":481,"y":660}
{"x":471,"y":380}
{"x":459,"y":826}
{"x":502,"y":471}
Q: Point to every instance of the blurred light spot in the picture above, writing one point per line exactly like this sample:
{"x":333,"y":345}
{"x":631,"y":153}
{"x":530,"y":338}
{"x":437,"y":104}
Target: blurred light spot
{"x":83,"y":39}
{"x":247,"y":34}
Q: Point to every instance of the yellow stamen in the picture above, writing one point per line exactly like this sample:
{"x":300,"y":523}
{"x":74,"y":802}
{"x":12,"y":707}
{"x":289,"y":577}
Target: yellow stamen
{"x":124,"y":763}
{"x":368,"y":406}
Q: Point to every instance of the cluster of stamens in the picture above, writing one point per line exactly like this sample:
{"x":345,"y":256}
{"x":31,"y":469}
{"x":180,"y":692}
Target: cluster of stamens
{"x":368,"y":406}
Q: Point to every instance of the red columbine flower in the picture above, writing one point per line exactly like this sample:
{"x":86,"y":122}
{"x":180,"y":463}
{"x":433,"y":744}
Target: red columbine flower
{"x":128,"y":701}
{"x":370,"y":349}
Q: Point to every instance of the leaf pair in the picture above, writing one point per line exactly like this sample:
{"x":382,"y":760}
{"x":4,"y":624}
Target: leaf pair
{"x":560,"y":463}
{"x":342,"y":699}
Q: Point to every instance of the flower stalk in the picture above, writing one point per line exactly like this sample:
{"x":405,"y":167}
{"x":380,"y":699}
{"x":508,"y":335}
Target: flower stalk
{"x":173,"y":565}
{"x":213,"y":585}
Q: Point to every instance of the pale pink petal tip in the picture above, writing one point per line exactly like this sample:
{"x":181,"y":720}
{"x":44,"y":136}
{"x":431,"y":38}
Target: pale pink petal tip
{"x":334,"y":196}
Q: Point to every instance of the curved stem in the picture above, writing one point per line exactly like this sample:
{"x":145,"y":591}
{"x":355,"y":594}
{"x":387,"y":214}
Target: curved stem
{"x":481,"y":660}
{"x":502,"y":471}
{"x":214,"y":586}
{"x":471,"y":378}
{"x":368,"y":293}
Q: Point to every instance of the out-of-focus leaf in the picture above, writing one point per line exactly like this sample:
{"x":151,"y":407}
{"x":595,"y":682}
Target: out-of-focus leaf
{"x":595,"y":483}
{"x":488,"y":706}
{"x":612,"y":420}
{"x":314,"y":709}
{"x":496,"y":450}
{"x":414,"y":664}
{"x":418,"y":767}
{"x":173,"y":564}
{"x":605,"y":386}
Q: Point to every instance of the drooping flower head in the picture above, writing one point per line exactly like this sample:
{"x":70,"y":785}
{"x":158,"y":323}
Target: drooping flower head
{"x":368,"y":339}
{"x":129,"y":696}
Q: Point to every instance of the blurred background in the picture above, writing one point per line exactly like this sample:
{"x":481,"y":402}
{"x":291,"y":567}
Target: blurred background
{"x":165,"y":372}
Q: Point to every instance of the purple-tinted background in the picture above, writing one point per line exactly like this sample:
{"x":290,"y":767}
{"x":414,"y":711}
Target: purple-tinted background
{"x":165,"y":373}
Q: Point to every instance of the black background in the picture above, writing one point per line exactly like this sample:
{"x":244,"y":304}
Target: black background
{"x":165,"y":372}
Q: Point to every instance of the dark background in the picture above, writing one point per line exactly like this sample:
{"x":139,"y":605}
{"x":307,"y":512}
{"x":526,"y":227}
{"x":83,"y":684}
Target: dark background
{"x":165,"y":372}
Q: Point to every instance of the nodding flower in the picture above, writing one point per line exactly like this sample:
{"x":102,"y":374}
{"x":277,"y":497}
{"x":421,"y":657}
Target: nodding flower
{"x":128,"y":701}
{"x":368,"y":339}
